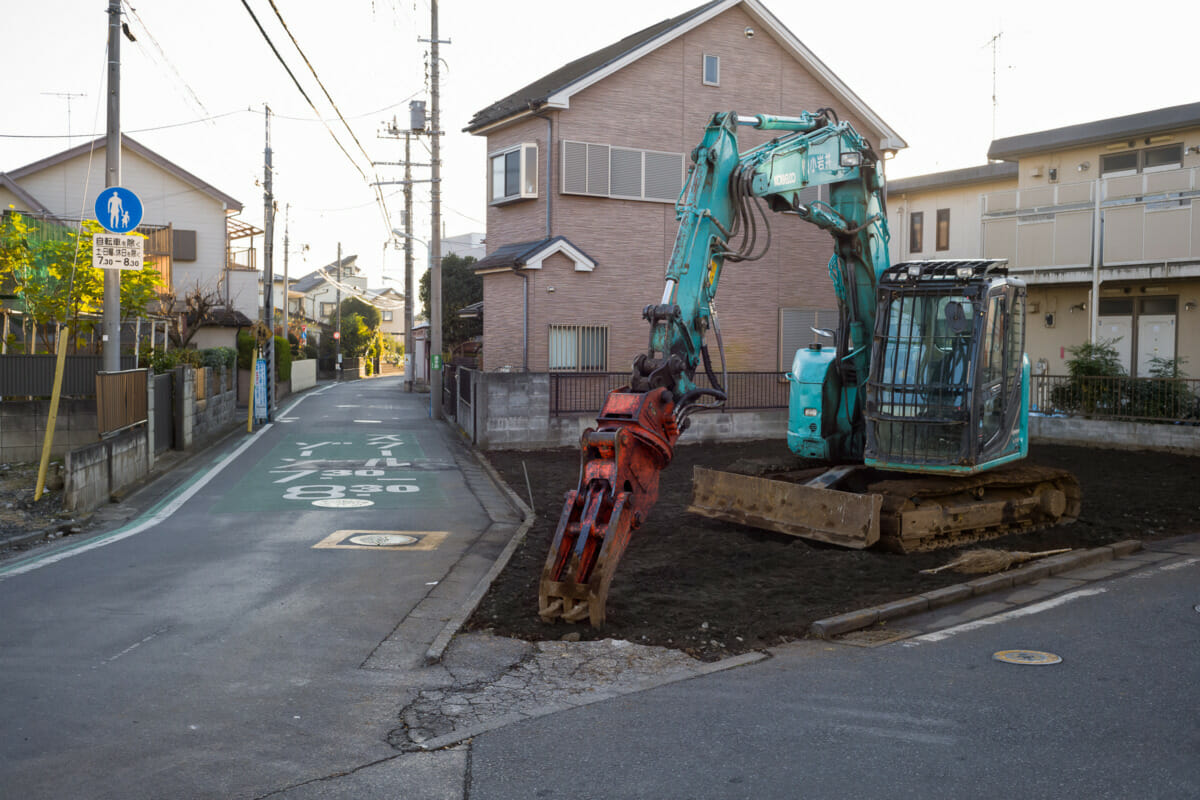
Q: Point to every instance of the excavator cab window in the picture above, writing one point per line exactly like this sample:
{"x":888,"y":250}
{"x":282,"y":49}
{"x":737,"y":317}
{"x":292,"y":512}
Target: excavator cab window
{"x":1001,"y":356}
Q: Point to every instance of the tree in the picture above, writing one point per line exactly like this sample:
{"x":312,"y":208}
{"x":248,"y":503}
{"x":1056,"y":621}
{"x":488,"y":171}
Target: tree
{"x":48,"y":266}
{"x":460,"y":288}
{"x":370,"y":314}
{"x":188,"y":313}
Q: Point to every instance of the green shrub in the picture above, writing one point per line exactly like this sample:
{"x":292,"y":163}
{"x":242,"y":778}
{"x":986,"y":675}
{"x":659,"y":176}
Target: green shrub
{"x":245,"y":350}
{"x":283,"y":359}
{"x":218,"y":357}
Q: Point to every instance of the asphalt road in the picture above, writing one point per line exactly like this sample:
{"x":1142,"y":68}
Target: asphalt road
{"x":221,"y":651}
{"x":233,"y":642}
{"x":935,"y":717}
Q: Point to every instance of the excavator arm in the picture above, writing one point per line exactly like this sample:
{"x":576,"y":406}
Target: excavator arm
{"x":719,"y":217}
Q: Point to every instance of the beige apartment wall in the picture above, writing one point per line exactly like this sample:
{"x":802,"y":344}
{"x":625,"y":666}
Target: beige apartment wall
{"x":1070,"y":328}
{"x":658,"y":103}
{"x":964,"y":203}
{"x":1067,"y":161}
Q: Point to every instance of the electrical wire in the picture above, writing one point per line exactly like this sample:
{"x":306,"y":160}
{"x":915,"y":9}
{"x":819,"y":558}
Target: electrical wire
{"x":163,"y":54}
{"x":366,"y":155}
{"x":138,"y":130}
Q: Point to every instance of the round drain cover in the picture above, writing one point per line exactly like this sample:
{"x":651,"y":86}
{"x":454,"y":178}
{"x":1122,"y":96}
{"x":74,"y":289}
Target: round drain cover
{"x":343,"y":502}
{"x":1031,"y":657}
{"x":384,"y":540}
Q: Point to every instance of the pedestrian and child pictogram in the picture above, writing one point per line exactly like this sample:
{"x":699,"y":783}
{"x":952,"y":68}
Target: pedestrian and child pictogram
{"x":118,"y":209}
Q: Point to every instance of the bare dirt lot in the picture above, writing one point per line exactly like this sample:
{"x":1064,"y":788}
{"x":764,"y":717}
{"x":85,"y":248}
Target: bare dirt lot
{"x":713,"y":589}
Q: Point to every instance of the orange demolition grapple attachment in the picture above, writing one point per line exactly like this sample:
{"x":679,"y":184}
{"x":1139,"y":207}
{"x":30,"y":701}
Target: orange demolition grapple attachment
{"x":618,"y":485}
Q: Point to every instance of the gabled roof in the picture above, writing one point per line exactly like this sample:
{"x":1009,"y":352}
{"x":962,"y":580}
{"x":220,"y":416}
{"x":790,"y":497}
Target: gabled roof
{"x":555,"y":89}
{"x":954,"y":177}
{"x":231,"y":204}
{"x":25,"y":197}
{"x":530,"y":255}
{"x":306,"y":283}
{"x":1130,"y":126}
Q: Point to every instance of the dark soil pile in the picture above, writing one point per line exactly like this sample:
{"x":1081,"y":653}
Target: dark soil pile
{"x":713,"y":588}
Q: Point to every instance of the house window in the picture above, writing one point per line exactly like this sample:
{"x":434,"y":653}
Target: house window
{"x":1158,"y":159}
{"x":578,"y":348}
{"x":327,"y":309}
{"x":1154,"y":159}
{"x":712,"y":71}
{"x":621,"y":172}
{"x":943,"y":229}
{"x":1118,"y":164}
{"x":512,"y":173}
{"x":916,"y":226}
{"x":387,"y":316}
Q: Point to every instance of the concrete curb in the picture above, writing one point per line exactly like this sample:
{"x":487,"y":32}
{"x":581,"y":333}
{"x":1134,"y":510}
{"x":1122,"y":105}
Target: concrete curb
{"x":1043,"y":568}
{"x":468,"y":606}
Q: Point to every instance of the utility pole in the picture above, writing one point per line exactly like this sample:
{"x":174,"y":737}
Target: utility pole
{"x":337,"y":339}
{"x":268,"y":266}
{"x":408,"y":264}
{"x":286,"y":300}
{"x":435,"y":240}
{"x":111,"y":323}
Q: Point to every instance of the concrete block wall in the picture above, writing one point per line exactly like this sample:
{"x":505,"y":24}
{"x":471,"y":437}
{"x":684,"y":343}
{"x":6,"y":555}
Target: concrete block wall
{"x":93,"y":473}
{"x":304,"y":374}
{"x":23,"y":427}
{"x":512,"y":412}
{"x":204,"y":420}
{"x":1181,"y":438}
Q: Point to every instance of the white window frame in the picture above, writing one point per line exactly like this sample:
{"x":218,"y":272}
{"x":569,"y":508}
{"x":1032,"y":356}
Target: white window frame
{"x":607,"y":151}
{"x":526,"y":176}
{"x":332,"y":307}
{"x":387,"y":315}
{"x":704,"y":61}
{"x":555,"y":352}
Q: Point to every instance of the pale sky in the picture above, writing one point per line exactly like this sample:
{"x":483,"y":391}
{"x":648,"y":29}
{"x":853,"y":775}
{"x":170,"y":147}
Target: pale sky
{"x":924,"y":66}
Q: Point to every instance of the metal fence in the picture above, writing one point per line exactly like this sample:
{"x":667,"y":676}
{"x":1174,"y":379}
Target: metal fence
{"x":1154,"y":399}
{"x":120,"y":399}
{"x":584,"y":392}
{"x":33,"y":376}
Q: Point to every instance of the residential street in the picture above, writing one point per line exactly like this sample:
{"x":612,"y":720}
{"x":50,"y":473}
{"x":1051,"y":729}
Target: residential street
{"x":231,"y":642}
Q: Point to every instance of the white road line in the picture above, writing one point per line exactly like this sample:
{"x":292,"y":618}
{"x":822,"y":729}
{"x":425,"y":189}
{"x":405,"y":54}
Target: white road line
{"x":161,"y":515}
{"x":1016,"y":613}
{"x":370,"y":421}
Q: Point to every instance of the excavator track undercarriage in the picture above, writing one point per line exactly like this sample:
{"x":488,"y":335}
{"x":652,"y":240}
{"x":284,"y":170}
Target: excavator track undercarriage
{"x":901,"y":512}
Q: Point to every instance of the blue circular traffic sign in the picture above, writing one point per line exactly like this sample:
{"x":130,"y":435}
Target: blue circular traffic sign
{"x":118,"y":209}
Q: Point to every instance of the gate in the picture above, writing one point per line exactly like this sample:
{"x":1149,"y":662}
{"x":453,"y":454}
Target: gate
{"x":164,"y":412}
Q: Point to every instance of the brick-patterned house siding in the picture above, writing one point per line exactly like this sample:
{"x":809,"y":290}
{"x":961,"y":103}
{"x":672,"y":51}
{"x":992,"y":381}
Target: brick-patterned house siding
{"x":657,"y":102}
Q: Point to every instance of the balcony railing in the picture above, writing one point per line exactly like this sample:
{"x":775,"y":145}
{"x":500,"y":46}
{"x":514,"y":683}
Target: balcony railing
{"x":1148,"y":217}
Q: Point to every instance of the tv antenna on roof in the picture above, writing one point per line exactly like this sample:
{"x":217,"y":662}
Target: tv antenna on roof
{"x":994,"y":43}
{"x":66,"y":96}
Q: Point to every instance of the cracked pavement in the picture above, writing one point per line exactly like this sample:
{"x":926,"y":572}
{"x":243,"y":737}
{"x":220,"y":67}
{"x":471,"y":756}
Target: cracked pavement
{"x":492,"y":681}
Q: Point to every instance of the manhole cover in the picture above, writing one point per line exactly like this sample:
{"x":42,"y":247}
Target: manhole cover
{"x":384,"y":540}
{"x":1030,"y":657}
{"x":343,"y":502}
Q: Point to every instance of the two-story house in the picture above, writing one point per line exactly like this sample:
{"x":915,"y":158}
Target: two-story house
{"x":321,"y":293}
{"x":189,"y":223}
{"x":584,"y":166}
{"x":1098,"y":218}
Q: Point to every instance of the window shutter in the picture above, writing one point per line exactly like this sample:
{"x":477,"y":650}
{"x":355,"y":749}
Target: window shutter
{"x":574,"y":167}
{"x":626,"y":173}
{"x":664,"y":176}
{"x":597,"y":169}
{"x":531,"y":170}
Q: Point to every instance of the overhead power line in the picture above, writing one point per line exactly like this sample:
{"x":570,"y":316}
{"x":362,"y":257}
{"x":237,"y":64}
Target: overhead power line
{"x":317,"y":78}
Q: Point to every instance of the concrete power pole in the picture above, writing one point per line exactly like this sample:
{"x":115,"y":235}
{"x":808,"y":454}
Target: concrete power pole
{"x":268,"y":266}
{"x":409,"y":296}
{"x":435,"y":240}
{"x":286,"y":300}
{"x":337,"y":339}
{"x":111,"y":323}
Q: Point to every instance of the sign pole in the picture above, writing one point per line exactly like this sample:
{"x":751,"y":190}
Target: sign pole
{"x":111,"y":323}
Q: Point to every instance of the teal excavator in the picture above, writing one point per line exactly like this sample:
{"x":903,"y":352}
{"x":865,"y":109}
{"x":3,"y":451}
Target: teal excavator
{"x":910,"y":423}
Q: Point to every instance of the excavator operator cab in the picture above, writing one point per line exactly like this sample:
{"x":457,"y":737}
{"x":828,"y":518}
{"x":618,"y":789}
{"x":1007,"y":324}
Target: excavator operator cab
{"x":949,"y":375}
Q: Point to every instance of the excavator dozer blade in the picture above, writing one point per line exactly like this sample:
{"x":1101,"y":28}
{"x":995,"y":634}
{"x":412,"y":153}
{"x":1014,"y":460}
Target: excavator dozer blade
{"x":826,"y":515}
